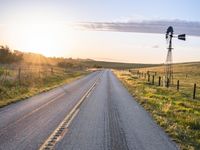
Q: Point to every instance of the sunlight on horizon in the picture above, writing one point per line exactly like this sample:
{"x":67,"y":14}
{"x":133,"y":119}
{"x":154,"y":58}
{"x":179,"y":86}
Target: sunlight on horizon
{"x":49,"y":28}
{"x":47,"y":39}
{"x":64,"y":40}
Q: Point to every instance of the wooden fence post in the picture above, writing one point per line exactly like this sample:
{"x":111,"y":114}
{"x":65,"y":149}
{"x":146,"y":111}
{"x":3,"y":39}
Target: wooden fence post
{"x":148,"y":77}
{"x":19,"y":75}
{"x":159,"y":81}
{"x":51,"y":70}
{"x":167,"y":82}
{"x":194,"y":91}
{"x":178,"y":85}
{"x":153,"y":79}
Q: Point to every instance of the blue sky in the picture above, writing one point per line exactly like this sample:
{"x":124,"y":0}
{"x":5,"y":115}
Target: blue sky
{"x":29,"y":25}
{"x":104,"y":10}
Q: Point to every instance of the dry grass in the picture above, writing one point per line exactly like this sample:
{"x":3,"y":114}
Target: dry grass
{"x":32,"y":81}
{"x":175,"y":111}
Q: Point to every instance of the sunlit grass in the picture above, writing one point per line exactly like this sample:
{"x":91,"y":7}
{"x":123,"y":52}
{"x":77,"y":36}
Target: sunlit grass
{"x":176,"y":112}
{"x":33,"y":83}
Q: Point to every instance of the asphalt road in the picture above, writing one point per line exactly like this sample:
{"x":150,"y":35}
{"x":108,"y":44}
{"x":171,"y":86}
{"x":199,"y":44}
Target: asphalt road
{"x":108,"y":119}
{"x":27,"y":124}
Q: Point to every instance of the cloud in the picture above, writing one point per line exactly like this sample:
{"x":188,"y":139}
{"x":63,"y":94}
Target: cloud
{"x":160,"y":26}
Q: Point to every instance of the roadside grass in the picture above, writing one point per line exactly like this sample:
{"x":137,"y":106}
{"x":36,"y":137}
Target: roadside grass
{"x":175,"y":111}
{"x":32,"y":83}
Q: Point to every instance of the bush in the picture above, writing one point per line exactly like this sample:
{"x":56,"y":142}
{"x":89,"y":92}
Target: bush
{"x":8,"y":57}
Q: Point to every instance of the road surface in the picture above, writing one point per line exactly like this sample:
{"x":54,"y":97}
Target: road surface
{"x":26,"y":124}
{"x":108,"y":119}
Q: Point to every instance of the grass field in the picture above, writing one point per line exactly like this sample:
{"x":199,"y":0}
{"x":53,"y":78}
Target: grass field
{"x":15,"y":86}
{"x":115,"y":65}
{"x":175,"y":111}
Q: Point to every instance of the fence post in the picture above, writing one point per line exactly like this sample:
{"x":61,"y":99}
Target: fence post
{"x":51,"y":70}
{"x":194,"y":91}
{"x":153,"y":79}
{"x":148,"y":77}
{"x":19,"y":75}
{"x":167,"y":82}
{"x":159,"y":81}
{"x":178,"y":85}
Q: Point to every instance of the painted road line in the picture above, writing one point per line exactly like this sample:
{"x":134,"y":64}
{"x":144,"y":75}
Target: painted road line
{"x":62,"y":128}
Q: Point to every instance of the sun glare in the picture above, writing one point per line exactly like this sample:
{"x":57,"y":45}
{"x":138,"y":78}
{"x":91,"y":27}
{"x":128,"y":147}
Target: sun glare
{"x":48,"y":39}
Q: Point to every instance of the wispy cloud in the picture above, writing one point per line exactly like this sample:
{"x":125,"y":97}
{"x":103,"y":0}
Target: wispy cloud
{"x":189,"y":28}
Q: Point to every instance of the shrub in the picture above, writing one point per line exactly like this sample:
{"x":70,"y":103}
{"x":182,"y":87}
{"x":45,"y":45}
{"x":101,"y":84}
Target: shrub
{"x":8,"y":57}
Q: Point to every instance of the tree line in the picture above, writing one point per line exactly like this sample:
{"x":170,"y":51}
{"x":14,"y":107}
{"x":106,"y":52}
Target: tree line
{"x":7,"y":56}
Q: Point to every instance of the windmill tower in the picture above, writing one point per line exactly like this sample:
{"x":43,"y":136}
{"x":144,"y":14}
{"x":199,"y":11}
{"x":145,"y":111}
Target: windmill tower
{"x":169,"y":59}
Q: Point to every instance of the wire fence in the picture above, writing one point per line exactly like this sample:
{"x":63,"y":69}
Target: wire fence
{"x":26,"y":74}
{"x":187,"y":84}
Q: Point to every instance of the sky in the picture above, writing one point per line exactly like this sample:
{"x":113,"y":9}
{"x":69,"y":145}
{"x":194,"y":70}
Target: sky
{"x":125,"y":31}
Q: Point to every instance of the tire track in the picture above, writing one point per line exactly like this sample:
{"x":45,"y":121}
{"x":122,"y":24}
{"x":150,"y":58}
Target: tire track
{"x":117,"y":137}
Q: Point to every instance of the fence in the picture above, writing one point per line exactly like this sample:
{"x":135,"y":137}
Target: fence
{"x":22,"y":74}
{"x":186,"y":84}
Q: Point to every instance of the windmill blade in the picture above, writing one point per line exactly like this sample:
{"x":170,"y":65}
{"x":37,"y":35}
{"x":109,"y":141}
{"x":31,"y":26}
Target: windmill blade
{"x":170,"y":31}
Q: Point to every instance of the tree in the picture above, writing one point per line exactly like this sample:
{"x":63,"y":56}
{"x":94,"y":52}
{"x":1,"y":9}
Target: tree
{"x":8,"y":57}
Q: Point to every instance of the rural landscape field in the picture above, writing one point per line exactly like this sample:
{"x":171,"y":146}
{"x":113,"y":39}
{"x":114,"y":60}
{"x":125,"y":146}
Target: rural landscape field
{"x":35,"y":73}
{"x":99,"y":75}
{"x":173,"y":109}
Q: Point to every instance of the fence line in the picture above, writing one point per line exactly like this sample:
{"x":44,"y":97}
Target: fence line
{"x":18,"y":74}
{"x":151,"y":80}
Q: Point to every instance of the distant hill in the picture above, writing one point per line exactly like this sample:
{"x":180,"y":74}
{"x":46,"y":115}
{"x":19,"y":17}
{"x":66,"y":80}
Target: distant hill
{"x":16,"y":57}
{"x":29,"y":58}
{"x":116,"y":65}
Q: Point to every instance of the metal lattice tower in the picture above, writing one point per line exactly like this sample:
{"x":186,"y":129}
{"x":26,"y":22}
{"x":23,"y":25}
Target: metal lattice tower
{"x":169,"y":59}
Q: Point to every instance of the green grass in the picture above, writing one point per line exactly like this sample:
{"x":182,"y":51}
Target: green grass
{"x":176,"y":112}
{"x":31,"y":84}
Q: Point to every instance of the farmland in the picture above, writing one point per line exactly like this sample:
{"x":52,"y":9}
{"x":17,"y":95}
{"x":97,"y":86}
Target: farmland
{"x":21,"y":83}
{"x":25,"y":74}
{"x":174,"y":110}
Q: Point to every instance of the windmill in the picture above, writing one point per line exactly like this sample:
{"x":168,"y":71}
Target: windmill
{"x":168,"y":63}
